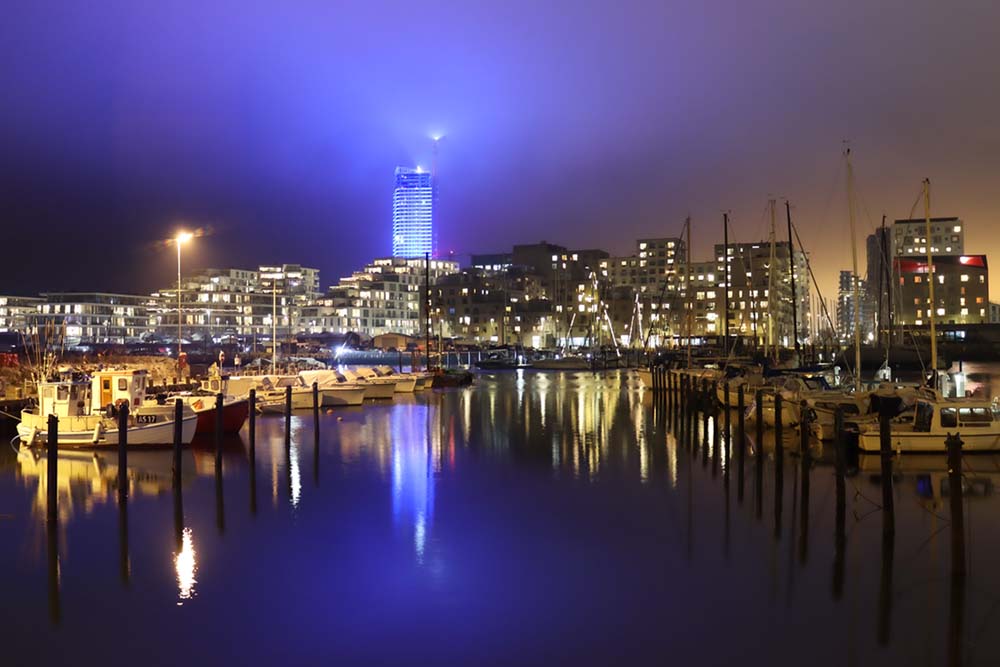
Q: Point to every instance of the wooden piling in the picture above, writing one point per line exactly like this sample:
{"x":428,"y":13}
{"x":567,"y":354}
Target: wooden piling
{"x":288,"y":416}
{"x":253,"y":425}
{"x":52,"y":461}
{"x":178,"y":440}
{"x":954,"y":446}
{"x":219,"y":401}
{"x":123,"y":453}
{"x":779,"y":435}
{"x":885,"y":452}
{"x":727,"y":419}
{"x":805,"y":424}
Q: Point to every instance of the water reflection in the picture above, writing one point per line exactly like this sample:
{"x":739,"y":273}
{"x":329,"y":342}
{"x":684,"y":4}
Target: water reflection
{"x":539,"y":489}
{"x":186,"y":568}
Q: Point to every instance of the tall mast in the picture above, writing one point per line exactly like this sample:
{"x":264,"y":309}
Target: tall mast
{"x":770,"y":287}
{"x":887,"y":270}
{"x":725,"y":273}
{"x":791,"y":274}
{"x":689,"y":310}
{"x":854,"y":278}
{"x":427,"y":307}
{"x":930,"y":272}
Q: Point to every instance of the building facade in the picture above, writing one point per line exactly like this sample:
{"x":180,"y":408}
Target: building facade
{"x":17,"y":314}
{"x":413,"y":212}
{"x":961,"y":290}
{"x":97,"y":317}
{"x":909,"y":237}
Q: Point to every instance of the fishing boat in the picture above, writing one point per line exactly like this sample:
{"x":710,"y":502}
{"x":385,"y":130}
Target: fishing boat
{"x":87,"y":409}
{"x":934,"y":419}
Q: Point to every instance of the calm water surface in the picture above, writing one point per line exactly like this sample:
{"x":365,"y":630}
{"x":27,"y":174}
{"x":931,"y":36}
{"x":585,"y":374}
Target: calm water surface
{"x":531,"y":519}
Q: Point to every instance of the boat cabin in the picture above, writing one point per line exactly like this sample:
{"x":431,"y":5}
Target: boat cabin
{"x":934,"y":416}
{"x":68,"y":398}
{"x":118,"y":387}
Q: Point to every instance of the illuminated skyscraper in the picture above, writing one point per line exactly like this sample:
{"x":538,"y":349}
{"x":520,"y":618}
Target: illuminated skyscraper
{"x":413,"y":204}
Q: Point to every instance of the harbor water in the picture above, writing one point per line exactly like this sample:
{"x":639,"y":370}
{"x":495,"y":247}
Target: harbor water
{"x":533,"y":519}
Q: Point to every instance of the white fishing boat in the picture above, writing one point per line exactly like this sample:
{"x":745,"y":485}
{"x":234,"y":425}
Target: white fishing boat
{"x":934,"y":418}
{"x":87,"y":408}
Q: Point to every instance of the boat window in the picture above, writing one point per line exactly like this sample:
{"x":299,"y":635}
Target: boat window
{"x":923,"y":416}
{"x":122,"y":384}
{"x":62,"y":393}
{"x":850,"y":408}
{"x":106,"y":384}
{"x":949,"y":418}
{"x":975,"y":416}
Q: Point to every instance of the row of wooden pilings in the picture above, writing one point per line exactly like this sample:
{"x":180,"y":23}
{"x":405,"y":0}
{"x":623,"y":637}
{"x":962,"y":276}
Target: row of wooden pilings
{"x":52,"y":479}
{"x":688,"y":398}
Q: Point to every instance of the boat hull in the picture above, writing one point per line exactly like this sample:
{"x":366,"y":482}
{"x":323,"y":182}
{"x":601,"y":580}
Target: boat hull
{"x":33,"y":430}
{"x":914,"y":441}
{"x":234,"y":415}
{"x":405,"y":385}
{"x":379,"y":390}
{"x":342,"y":397}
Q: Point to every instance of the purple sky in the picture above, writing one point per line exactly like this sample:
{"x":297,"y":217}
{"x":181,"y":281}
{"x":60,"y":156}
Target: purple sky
{"x":583,"y":124}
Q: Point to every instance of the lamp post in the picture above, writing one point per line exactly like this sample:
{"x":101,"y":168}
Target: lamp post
{"x":181,"y":239}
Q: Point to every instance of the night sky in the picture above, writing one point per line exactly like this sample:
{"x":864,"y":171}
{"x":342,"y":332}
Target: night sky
{"x":587,"y":124}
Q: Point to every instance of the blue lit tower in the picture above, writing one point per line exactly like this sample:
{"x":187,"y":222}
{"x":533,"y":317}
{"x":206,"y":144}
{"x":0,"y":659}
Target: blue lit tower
{"x":413,"y":205}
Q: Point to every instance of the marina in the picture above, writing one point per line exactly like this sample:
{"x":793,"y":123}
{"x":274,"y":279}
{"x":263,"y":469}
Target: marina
{"x":427,"y":506}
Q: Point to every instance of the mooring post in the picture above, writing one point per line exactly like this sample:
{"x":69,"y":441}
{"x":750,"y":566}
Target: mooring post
{"x":805,"y":423}
{"x":52,"y":461}
{"x":123,"y":453}
{"x":219,"y":425}
{"x":253,"y":425}
{"x":954,"y":446}
{"x":703,"y":404}
{"x":885,"y":452}
{"x":779,"y":436}
{"x":288,"y":416}
{"x":178,"y":440}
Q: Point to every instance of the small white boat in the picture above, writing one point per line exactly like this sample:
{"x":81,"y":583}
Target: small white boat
{"x":87,"y":409}
{"x":934,"y":418}
{"x":405,"y":382}
{"x":336,"y":390}
{"x":375,"y":387}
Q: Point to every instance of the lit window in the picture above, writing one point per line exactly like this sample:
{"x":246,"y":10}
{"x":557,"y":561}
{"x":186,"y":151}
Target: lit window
{"x":940,"y":312}
{"x":965,"y":311}
{"x":957,"y":229}
{"x":965,"y":277}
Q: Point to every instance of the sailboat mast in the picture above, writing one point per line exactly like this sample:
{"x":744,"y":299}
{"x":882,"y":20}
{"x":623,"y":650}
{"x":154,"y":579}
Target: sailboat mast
{"x":854,"y":277}
{"x":930,"y":272}
{"x":770,"y":288}
{"x":687,"y":285}
{"x":791,"y":275}
{"x":725,"y":273}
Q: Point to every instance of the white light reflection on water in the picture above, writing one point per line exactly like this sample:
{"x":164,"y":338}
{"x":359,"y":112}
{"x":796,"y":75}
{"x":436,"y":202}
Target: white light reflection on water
{"x":186,"y":566}
{"x":294,"y":474}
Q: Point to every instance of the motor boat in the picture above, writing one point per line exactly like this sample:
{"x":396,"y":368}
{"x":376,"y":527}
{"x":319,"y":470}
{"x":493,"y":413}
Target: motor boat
{"x":375,"y":387}
{"x":405,"y":382}
{"x":335,"y":388}
{"x":87,"y":410}
{"x":934,"y":419}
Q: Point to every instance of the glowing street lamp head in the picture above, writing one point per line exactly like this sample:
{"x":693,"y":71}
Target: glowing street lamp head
{"x":184,"y":237}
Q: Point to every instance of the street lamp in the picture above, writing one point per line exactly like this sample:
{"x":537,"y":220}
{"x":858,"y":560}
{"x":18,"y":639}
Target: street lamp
{"x":181,"y":239}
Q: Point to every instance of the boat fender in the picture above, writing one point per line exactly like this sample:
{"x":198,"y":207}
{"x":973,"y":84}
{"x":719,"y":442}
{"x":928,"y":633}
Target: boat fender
{"x":32,"y":436}
{"x":97,"y":434}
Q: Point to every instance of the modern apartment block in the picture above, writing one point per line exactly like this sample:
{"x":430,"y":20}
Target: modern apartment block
{"x":413,"y":211}
{"x":909,"y":237}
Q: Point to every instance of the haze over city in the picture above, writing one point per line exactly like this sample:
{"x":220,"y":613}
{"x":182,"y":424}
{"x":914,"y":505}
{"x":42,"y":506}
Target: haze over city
{"x":587,"y":126}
